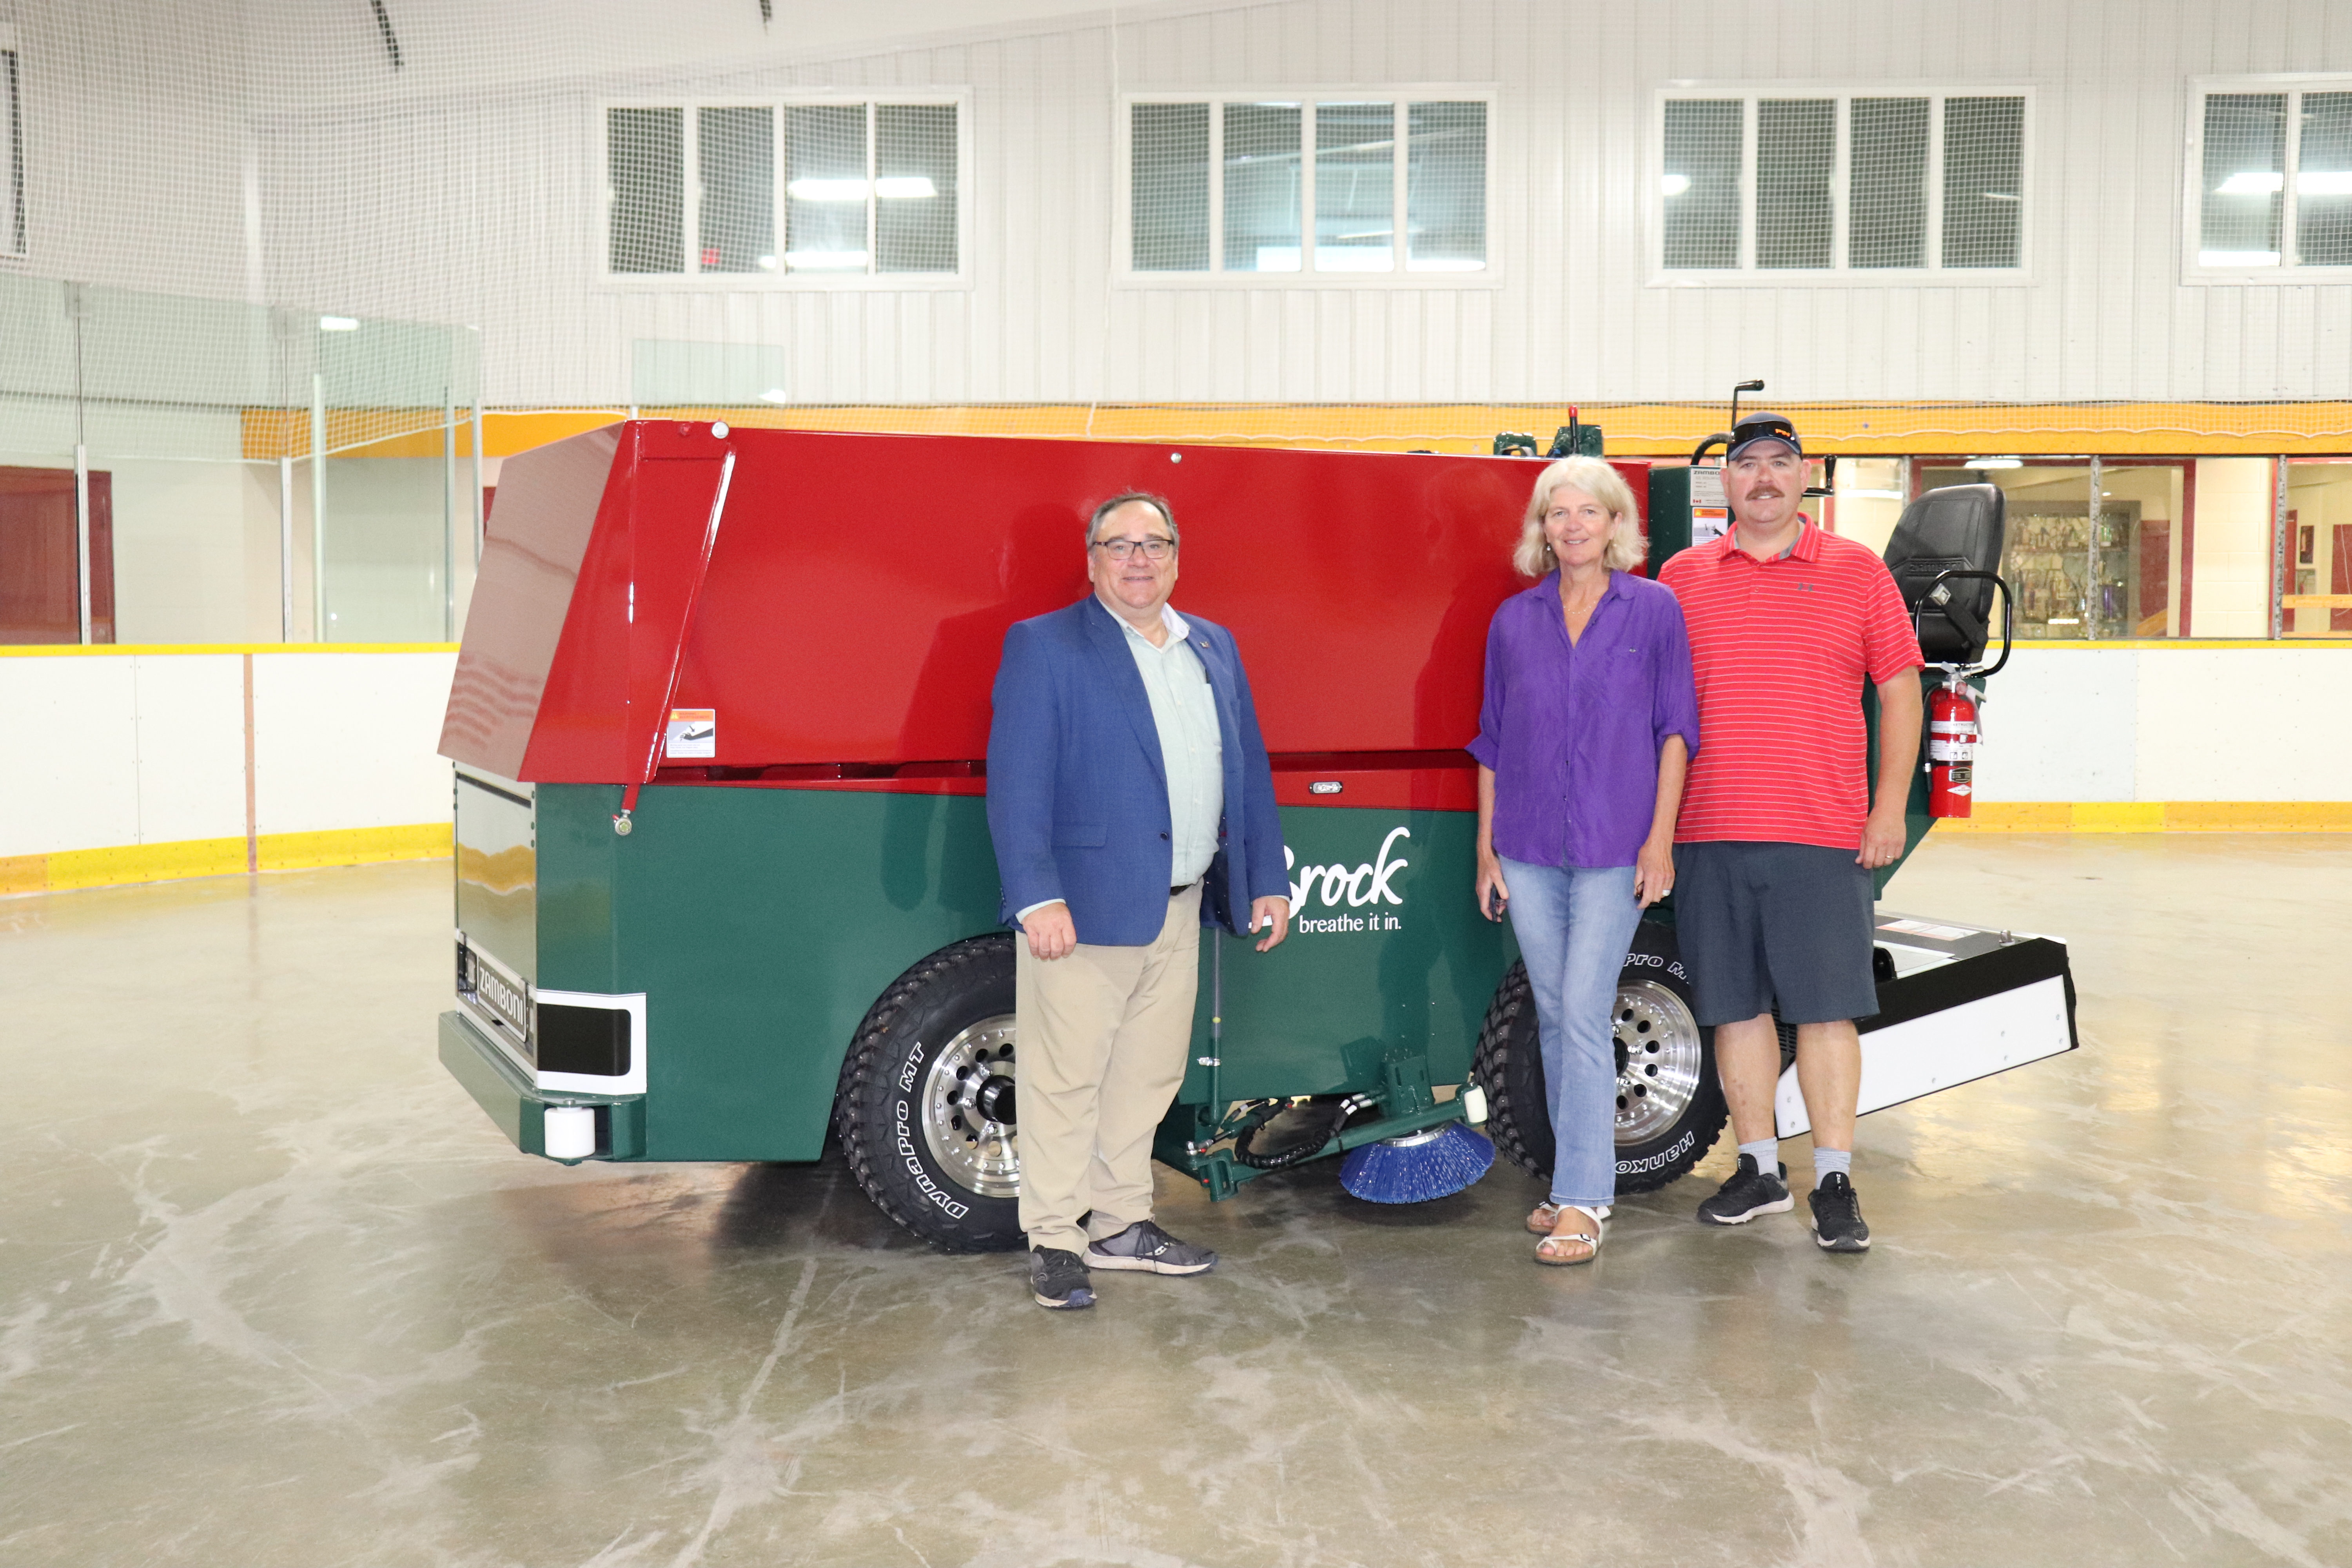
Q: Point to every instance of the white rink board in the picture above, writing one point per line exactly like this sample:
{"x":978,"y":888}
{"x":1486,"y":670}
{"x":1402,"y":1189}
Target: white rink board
{"x":1942,"y":1050}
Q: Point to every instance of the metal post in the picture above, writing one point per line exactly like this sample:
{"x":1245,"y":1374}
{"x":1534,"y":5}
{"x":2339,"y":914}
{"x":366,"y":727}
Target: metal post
{"x":284,"y":547}
{"x":81,"y":531}
{"x":318,"y":507}
{"x":2278,"y":547}
{"x":476,"y":509}
{"x":2091,"y":565}
{"x":448,"y":516}
{"x":75,"y":308}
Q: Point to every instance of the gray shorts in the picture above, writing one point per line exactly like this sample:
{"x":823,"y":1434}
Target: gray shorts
{"x":1766,"y":922}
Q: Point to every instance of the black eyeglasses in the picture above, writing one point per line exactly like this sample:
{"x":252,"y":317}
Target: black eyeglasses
{"x":1154,"y":549}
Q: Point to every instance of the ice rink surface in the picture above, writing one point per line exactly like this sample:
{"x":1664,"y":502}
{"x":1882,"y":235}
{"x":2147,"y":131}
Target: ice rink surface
{"x":274,"y":1291}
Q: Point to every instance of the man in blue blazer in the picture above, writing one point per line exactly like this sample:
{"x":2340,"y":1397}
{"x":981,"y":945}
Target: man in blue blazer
{"x":1130,"y":803}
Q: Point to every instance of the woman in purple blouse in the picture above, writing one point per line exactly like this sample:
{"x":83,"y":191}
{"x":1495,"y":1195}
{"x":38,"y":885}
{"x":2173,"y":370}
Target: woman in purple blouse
{"x":1589,"y":725}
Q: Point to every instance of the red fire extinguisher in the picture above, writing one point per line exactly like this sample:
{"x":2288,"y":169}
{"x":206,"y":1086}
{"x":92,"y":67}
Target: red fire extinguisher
{"x":1951,"y":747}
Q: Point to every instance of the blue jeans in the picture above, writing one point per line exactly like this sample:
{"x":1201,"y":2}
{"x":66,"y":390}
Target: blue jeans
{"x":1574,"y":925}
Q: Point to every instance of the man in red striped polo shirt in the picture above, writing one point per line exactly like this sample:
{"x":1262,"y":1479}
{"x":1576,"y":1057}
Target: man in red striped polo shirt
{"x":1777,"y":841}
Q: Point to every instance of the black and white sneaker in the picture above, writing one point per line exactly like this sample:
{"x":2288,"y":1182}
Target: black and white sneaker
{"x":1837,"y":1216}
{"x":1750,"y":1193}
{"x":1144,"y":1245}
{"x":1057,"y":1280}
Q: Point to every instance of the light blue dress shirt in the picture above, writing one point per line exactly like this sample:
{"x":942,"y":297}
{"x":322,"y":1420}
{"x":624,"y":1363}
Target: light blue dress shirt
{"x":1184,"y":712}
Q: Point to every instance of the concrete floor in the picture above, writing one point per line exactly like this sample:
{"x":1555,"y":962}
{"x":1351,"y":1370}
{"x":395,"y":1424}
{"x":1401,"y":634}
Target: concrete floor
{"x":272,"y":1290}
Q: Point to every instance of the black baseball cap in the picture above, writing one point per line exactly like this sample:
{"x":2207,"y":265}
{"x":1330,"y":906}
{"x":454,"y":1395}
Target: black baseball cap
{"x":1755,"y":427}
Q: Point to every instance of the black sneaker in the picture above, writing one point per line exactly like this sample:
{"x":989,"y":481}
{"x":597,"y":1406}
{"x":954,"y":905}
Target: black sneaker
{"x":1057,"y":1280}
{"x":1144,"y":1245}
{"x":1837,"y":1216}
{"x":1748,"y":1193}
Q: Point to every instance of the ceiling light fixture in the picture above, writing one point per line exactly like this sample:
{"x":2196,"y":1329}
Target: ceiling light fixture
{"x":1994,"y":463}
{"x":2252,"y":183}
{"x":339,"y":324}
{"x":1674,"y":185}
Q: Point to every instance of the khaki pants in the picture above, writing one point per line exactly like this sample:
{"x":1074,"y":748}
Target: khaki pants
{"x":1103,"y":1036}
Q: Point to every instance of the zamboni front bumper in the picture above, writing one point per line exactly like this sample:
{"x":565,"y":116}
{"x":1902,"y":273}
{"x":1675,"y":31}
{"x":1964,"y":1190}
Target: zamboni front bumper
{"x":519,"y":1108}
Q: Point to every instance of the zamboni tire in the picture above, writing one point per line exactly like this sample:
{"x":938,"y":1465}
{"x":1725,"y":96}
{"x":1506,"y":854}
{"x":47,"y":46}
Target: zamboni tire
{"x":1670,"y":1107}
{"x":935,"y":1049}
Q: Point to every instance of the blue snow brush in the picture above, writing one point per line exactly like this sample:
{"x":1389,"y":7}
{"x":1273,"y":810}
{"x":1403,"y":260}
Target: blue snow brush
{"x":1434,"y":1164}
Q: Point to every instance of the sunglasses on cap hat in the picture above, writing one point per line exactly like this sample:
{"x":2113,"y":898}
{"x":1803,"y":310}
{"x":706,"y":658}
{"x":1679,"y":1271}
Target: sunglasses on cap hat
{"x":1757,"y":427}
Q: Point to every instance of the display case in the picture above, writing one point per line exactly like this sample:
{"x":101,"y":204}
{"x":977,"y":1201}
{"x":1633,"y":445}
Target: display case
{"x":2073,"y":583}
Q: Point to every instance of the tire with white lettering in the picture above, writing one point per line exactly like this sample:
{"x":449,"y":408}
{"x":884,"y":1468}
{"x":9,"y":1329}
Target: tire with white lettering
{"x":1670,"y":1107}
{"x":927,"y":1108}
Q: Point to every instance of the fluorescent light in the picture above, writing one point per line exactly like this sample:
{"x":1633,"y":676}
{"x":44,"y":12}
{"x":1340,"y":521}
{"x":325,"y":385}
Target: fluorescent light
{"x":775,"y":394}
{"x":1277,"y":258}
{"x":1993,"y":463}
{"x":1674,"y":185}
{"x":2000,"y":195}
{"x":2237,"y":259}
{"x":768,"y":263}
{"x":807,"y":190}
{"x":1870,"y":495}
{"x":904,"y":187}
{"x":824,"y":260}
{"x":339,"y":324}
{"x":2308,"y":183}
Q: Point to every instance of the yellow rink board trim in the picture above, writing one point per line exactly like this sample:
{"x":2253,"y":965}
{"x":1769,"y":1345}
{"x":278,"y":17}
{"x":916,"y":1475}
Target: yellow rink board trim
{"x":1633,"y":430}
{"x":2154,"y":816}
{"x":130,"y":863}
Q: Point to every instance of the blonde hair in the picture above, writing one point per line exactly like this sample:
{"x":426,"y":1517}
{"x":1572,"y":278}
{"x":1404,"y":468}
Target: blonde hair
{"x":1596,"y":478}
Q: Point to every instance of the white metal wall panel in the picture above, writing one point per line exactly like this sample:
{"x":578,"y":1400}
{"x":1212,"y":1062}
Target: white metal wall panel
{"x":463,"y":188}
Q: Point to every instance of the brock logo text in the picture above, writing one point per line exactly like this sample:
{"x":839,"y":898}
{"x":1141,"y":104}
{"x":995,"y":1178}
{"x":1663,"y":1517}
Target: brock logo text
{"x":1370,"y":887}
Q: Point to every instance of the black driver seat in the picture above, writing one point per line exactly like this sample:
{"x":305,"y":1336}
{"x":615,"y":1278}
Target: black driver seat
{"x":1959,"y":527}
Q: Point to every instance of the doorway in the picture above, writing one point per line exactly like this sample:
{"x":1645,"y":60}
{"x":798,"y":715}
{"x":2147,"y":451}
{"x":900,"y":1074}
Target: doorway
{"x":40,"y":567}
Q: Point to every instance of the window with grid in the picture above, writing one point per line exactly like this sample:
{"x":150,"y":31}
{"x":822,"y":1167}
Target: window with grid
{"x":1307,"y":185}
{"x":758,"y":190}
{"x":2273,"y":169}
{"x":1849,"y":182}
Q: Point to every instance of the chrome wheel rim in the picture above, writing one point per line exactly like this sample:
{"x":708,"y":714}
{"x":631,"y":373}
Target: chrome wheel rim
{"x":1658,"y":1050}
{"x":977,"y":1152}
